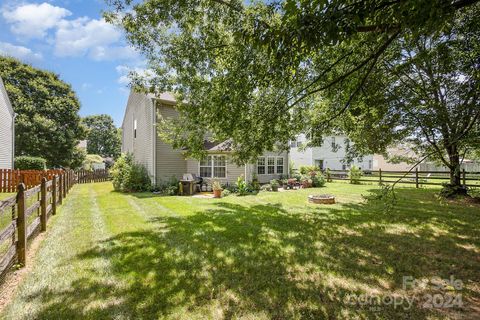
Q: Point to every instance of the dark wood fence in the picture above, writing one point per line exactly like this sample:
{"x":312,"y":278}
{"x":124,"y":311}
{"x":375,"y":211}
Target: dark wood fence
{"x":415,"y":177}
{"x":99,"y":175}
{"x":11,"y":179}
{"x":25,"y":214}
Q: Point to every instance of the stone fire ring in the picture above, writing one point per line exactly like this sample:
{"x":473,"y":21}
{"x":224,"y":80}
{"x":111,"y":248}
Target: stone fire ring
{"x":321,"y":199}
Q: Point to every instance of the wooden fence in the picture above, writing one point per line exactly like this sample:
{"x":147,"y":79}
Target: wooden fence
{"x":11,"y":179}
{"x":99,"y":175}
{"x":25,"y":214}
{"x":415,"y":177}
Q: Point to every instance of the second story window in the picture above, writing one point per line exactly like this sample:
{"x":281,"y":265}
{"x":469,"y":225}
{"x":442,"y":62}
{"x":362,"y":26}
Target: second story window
{"x":333,"y":143}
{"x":135,"y":128}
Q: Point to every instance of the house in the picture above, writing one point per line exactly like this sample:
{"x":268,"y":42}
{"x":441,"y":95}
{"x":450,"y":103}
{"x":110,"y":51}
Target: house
{"x":332,"y":154}
{"x":162,"y":161}
{"x":7,"y":130}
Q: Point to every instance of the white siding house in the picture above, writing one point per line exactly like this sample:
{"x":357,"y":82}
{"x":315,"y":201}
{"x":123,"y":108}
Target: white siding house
{"x":331,"y":154}
{"x":7,"y":133}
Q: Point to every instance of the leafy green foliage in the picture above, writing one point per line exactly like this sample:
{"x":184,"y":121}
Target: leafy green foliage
{"x":355,"y":174}
{"x":102,"y":136}
{"x":307,"y":169}
{"x":47,"y":123}
{"x":318,"y":180}
{"x":128,"y":176}
{"x":79,"y":155}
{"x":30,"y":163}
{"x":242,"y":186}
{"x":278,"y":60}
{"x":90,"y":159}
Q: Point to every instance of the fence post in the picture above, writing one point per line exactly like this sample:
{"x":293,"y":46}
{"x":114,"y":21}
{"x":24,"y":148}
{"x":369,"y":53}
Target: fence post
{"x":43,"y":204}
{"x":464,"y":174}
{"x":21,"y":225}
{"x":380,"y":176}
{"x":54,"y":195}
{"x":64,"y":184}
{"x":60,"y":193}
{"x":416,"y":177}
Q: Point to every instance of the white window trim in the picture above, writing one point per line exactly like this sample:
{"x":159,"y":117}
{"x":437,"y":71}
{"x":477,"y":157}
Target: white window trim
{"x":266,"y":166}
{"x":212,"y":167}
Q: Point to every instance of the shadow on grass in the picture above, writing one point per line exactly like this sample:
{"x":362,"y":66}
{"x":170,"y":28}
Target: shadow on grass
{"x":266,"y":261}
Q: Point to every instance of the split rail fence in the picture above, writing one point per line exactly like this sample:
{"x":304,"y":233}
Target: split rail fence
{"x":414,"y":177}
{"x":25,"y":214}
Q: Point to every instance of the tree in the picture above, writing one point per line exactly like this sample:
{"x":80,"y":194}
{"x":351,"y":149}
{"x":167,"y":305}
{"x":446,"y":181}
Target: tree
{"x":102,"y":136}
{"x":47,"y":123}
{"x":425,"y":94}
{"x":260,"y":73}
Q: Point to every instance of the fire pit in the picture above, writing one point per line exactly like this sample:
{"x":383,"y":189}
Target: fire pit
{"x":321,"y":199}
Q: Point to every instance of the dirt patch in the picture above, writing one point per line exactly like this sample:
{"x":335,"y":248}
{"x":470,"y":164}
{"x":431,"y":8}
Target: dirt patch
{"x":13,"y":278}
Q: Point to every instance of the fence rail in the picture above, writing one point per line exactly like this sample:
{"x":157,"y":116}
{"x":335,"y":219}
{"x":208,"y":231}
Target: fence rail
{"x":11,"y":179}
{"x":417,"y":177}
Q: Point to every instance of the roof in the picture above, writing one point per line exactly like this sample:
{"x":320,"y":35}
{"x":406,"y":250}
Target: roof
{"x":224,"y":146}
{"x":3,"y":91}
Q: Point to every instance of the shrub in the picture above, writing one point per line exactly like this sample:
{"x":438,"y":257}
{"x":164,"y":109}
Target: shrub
{"x":450,"y":191}
{"x":242,"y":186}
{"x":307,"y":169}
{"x":266,"y":187}
{"x":274,"y":184}
{"x":168,"y":187}
{"x":318,"y":180}
{"x":30,"y":163}
{"x":129,"y":176}
{"x":328,"y":175}
{"x":226,"y":193}
{"x":90,"y":159}
{"x":355,"y":174}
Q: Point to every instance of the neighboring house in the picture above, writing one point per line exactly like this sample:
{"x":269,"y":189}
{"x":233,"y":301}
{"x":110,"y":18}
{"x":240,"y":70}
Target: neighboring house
{"x":82,"y":144}
{"x":7,"y":130}
{"x":467,"y":165}
{"x":331,"y":154}
{"x":162,"y":161}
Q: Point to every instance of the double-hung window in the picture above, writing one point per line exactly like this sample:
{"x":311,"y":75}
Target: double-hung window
{"x":271,"y":165}
{"x":279,"y":165}
{"x":261,"y":165}
{"x":213,"y":167}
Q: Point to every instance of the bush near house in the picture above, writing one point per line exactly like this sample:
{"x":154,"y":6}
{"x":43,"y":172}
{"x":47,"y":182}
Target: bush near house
{"x":355,"y":174}
{"x":129,"y":176}
{"x":30,"y":163}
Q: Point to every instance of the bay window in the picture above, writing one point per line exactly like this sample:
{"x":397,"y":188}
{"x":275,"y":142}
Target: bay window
{"x":279,"y":165}
{"x":271,"y":165}
{"x":261,"y":165}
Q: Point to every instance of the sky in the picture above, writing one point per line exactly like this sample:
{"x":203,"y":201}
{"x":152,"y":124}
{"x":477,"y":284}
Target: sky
{"x":71,"y":39}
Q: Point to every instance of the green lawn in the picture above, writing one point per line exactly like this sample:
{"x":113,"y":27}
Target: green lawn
{"x":270,"y":256}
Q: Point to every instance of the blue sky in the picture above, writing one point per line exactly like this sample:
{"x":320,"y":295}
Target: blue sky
{"x":71,"y":39}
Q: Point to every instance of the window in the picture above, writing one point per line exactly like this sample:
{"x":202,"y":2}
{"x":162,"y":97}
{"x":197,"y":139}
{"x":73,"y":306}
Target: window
{"x":370,"y":164}
{"x":279,"y":165}
{"x":299,"y":144}
{"x":219,"y":167}
{"x":293,"y":144}
{"x":347,"y":141}
{"x":333,"y":143}
{"x":271,"y":165}
{"x":213,"y":167}
{"x":344,"y":167}
{"x":135,"y":128}
{"x":319,"y":164}
{"x":206,"y":167}
{"x":261,"y":165}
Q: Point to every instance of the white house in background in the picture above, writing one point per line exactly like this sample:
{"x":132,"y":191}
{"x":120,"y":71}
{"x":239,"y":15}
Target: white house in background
{"x":7,"y":130}
{"x":332,"y":155}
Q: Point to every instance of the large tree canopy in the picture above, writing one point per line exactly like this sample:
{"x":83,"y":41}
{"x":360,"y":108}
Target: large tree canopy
{"x":102,"y":136}
{"x":260,"y":73}
{"x":47,"y":123}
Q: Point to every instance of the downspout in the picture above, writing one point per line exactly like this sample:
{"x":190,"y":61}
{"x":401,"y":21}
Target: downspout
{"x":13,"y":140}
{"x":154,"y":139}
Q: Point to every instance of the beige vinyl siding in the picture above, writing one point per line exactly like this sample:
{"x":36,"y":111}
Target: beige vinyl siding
{"x":233,"y":171}
{"x":265,"y":178}
{"x":6,"y":130}
{"x":139,"y":108}
{"x":169,"y":162}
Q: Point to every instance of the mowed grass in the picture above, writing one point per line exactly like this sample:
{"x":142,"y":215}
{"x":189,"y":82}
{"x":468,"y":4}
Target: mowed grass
{"x":272,"y":256}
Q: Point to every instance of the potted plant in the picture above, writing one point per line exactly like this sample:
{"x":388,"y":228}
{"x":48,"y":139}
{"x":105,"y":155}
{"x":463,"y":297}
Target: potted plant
{"x":217,"y":189}
{"x":274,"y":184}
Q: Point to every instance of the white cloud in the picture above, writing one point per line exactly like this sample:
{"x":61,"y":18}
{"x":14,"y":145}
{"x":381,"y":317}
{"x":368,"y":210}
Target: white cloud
{"x":33,"y":20}
{"x":22,"y":53}
{"x":124,"y":72}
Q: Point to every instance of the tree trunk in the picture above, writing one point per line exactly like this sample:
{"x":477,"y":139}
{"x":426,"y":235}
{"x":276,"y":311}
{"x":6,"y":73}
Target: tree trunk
{"x":456,"y":186}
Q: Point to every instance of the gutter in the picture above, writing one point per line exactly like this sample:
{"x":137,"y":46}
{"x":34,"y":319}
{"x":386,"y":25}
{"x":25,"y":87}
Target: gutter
{"x":154,"y":141}
{"x":13,"y":139}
